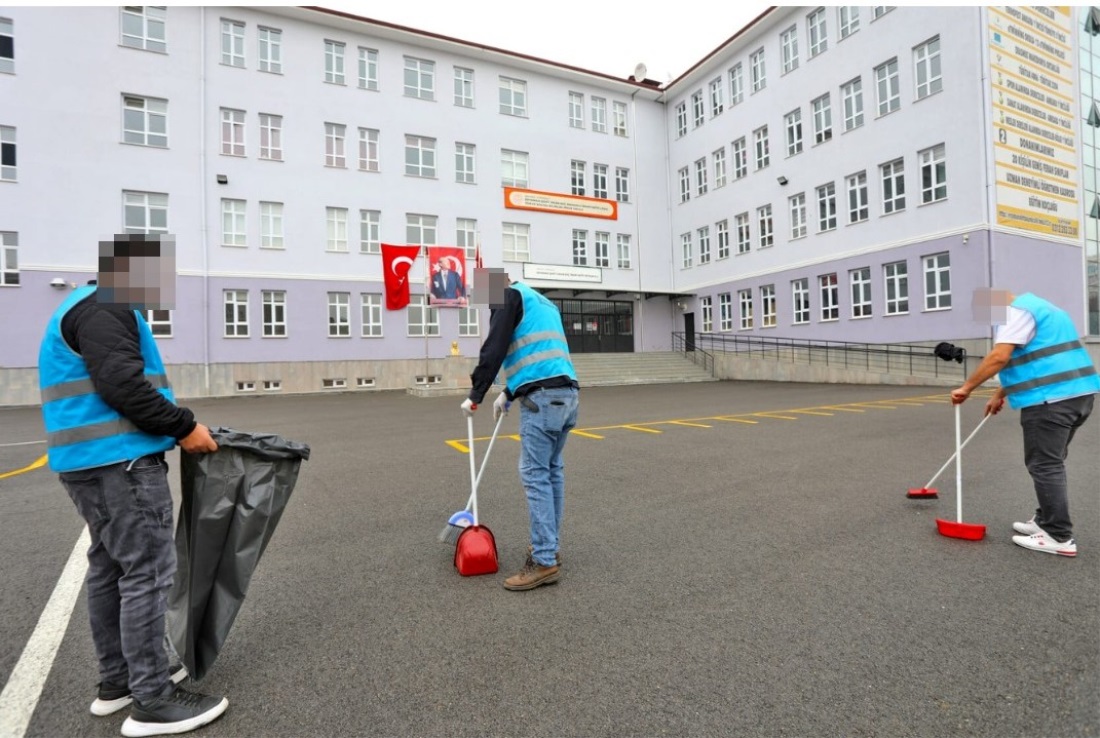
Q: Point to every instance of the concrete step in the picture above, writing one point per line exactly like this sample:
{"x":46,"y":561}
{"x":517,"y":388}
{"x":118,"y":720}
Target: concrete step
{"x":666,"y":367}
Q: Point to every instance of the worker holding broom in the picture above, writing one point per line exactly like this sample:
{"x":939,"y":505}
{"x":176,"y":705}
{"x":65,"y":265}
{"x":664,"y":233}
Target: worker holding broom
{"x":527,"y":341}
{"x":1047,"y":375}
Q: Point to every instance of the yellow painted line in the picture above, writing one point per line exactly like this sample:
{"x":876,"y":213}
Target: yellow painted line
{"x":774,"y":415}
{"x":842,"y":408}
{"x":39,"y":463}
{"x":585,"y":434}
{"x":737,"y":420}
{"x":693,"y":425}
{"x":459,"y":446}
{"x":811,"y":412}
{"x":514,"y":437}
{"x":875,"y":405}
{"x":643,"y":430}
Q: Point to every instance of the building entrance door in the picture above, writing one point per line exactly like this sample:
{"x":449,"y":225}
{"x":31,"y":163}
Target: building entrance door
{"x":597,"y":326}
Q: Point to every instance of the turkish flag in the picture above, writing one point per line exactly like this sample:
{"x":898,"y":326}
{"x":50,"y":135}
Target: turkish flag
{"x":396,"y":263}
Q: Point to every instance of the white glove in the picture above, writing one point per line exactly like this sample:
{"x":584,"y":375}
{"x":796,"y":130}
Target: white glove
{"x":501,"y":406}
{"x":468,"y":407}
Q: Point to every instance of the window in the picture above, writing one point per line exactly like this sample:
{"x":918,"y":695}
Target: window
{"x":725,"y":312}
{"x":823,"y":119}
{"x":933,"y":175}
{"x":794,"y":131}
{"x":7,"y":154}
{"x":576,"y":110}
{"x":722,"y":233}
{"x":897,"y":287}
{"x":160,"y":322}
{"x":334,"y":145}
{"x":877,"y":11}
{"x":826,"y":207}
{"x":580,"y":247}
{"x":419,"y":78}
{"x":681,"y":120}
{"x":464,"y":163}
{"x":622,"y":184}
{"x":893,"y":186}
{"x":701,"y":177}
{"x":706,"y":307}
{"x":764,"y":226}
{"x":819,"y":36}
{"x":368,"y":69}
{"x":602,"y":249}
{"x":419,"y":156}
{"x":798,"y":215}
{"x":234,"y":230}
{"x":926,"y":58}
{"x":422,"y":320}
{"x":857,"y":198}
{"x":420,"y":229}
{"x":889,"y":89}
{"x":515,"y":241}
{"x":232,"y":43}
{"x":7,"y":46}
{"x":513,"y":166}
{"x":685,"y":185}
{"x":368,"y":150}
{"x":767,"y":306}
{"x":144,"y":121}
{"x":703,"y":234}
{"x":860,"y":280}
{"x":937,"y":281}
{"x":9,"y":259}
{"x":759,"y":76}
{"x":740,"y":158}
{"x":800,"y":298}
{"x":339,"y":318}
{"x":513,"y":96}
{"x":848,"y":20}
{"x":830,"y":297}
{"x":144,"y":212}
{"x":468,"y":322}
{"x":716,"y":103}
{"x":737,"y":84}
{"x":370,"y":232}
{"x":599,"y":181}
{"x":599,"y":115}
{"x":788,"y":44}
{"x":143,"y":27}
{"x":622,"y":243}
{"x":271,"y":137}
{"x":271,"y":49}
{"x":274,"y":313}
{"x":851,"y":94}
{"x":336,"y":220}
{"x":236,"y":313}
{"x":232,"y":132}
{"x":334,"y":62}
{"x":370,"y":314}
{"x":744,"y":305}
{"x":576,"y":177}
{"x":271,"y":225}
{"x":760,"y":144}
{"x":744,"y":241}
{"x":698,"y":112}
{"x":686,"y":250}
{"x":464,"y":87}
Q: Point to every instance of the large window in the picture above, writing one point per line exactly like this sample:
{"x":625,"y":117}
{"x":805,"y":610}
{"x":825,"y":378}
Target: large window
{"x":937,"y":281}
{"x":7,"y":46}
{"x":236,"y":313}
{"x":719,"y":159}
{"x":334,"y":62}
{"x":232,"y":132}
{"x":419,"y":156}
{"x":933,"y":174}
{"x":737,"y":84}
{"x":144,"y":120}
{"x":618,"y":118}
{"x":271,"y":137}
{"x":601,"y":246}
{"x":740,"y":158}
{"x":725,"y":312}
{"x":599,"y":115}
{"x":513,"y":96}
{"x":576,"y":110}
{"x":339,"y":314}
{"x":759,"y":73}
{"x":860,"y":281}
{"x":793,"y":127}
{"x":888,"y":86}
{"x":701,"y":177}
{"x":513,"y":165}
{"x":851,"y":94}
{"x":896,"y":276}
{"x":798,"y":215}
{"x":599,"y":181}
{"x":622,"y":184}
{"x":744,"y":309}
{"x":926,"y":60}
{"x":464,"y":87}
{"x":722,"y":234}
{"x":760,"y":144}
{"x":764,"y":226}
{"x":368,"y":150}
{"x":830,"y":297}
{"x":144,"y":212}
{"x":768,"y":313}
{"x":368,"y":69}
{"x":234,"y":229}
{"x":848,"y":20}
{"x":580,"y":247}
{"x":336,"y":223}
{"x":698,"y":110}
{"x":819,"y":35}
{"x":232,"y":43}
{"x":464,"y":163}
{"x":9,"y":259}
{"x":823,"y":119}
{"x":421,"y":230}
{"x":800,"y":300}
{"x":681,"y":120}
{"x":717,"y":104}
{"x":622,"y":247}
{"x":515,"y":241}
{"x":858,"y":209}
{"x":685,"y":184}
{"x":270,"y":49}
{"x":468,"y":322}
{"x":703,"y":236}
{"x":144,"y":27}
{"x":8,"y":159}
{"x":686,"y":251}
{"x":577,"y":177}
{"x":274,"y":313}
{"x":826,"y":207}
{"x":370,"y":314}
{"x":788,"y":46}
{"x":271,"y":225}
{"x":421,"y":319}
{"x":419,"y":78}
{"x":706,"y":307}
{"x":893,"y":186}
{"x":335,"y":150}
{"x":370,"y":231}
{"x":744,"y":240}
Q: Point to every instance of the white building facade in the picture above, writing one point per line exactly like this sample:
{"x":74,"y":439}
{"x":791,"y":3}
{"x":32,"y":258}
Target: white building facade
{"x":848,"y":174}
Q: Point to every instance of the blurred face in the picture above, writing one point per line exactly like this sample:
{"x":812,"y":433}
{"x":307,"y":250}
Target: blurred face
{"x":138,"y":271}
{"x":991,"y":306}
{"x":489,"y":286}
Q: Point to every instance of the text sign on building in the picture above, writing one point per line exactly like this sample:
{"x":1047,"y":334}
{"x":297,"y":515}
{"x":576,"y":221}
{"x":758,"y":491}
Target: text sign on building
{"x":562,"y":272}
{"x":552,"y":202}
{"x":1031,"y":59}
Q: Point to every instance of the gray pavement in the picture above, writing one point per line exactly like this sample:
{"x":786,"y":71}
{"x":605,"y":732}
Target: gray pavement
{"x":752,"y":569}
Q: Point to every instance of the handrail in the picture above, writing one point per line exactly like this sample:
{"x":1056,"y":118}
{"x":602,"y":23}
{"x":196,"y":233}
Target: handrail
{"x":696,"y":354}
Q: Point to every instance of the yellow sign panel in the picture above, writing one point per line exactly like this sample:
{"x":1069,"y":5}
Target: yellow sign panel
{"x":552,"y":202}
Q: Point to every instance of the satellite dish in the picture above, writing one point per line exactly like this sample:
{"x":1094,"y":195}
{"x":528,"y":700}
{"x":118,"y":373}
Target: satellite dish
{"x":640,"y":72}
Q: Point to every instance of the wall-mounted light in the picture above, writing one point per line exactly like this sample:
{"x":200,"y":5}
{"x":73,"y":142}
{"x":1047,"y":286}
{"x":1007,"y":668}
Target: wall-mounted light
{"x":58,"y":283}
{"x":966,"y":238}
{"x":223,"y":179}
{"x":781,"y":180}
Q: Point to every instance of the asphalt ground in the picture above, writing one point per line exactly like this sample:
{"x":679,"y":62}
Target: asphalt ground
{"x":740,"y":559}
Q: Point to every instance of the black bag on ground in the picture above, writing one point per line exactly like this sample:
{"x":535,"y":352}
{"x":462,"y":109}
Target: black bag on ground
{"x":232,"y":500}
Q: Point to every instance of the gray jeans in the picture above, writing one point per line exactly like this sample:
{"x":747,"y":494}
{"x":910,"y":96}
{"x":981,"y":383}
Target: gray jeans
{"x":131,"y":563}
{"x":1048,"y":429}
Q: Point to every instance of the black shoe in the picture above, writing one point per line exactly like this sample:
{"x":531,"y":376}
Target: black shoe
{"x":113,"y":697}
{"x":179,"y":711}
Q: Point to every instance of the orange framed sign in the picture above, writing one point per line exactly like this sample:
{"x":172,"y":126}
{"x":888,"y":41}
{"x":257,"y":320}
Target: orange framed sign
{"x":560,"y":204}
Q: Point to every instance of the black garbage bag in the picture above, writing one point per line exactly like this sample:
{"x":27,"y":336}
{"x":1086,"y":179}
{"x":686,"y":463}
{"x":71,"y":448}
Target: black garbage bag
{"x":232,"y":501}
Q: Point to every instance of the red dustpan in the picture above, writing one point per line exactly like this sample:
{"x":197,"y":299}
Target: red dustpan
{"x":476,"y":548}
{"x":957,"y":528}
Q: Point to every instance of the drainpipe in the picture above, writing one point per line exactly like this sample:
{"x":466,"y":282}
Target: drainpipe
{"x":990,"y":154}
{"x":204,"y":236}
{"x":640,"y":323}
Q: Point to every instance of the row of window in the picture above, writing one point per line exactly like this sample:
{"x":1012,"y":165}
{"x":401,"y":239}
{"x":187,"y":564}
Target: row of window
{"x":895,"y":284}
{"x":933,"y":188}
{"x":578,"y":175}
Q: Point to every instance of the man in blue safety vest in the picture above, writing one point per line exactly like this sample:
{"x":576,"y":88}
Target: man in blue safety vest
{"x":1047,"y":375}
{"x":527,"y":343}
{"x":110,"y":414}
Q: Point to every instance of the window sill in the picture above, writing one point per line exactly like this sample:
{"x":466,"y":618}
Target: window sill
{"x":937,"y":310}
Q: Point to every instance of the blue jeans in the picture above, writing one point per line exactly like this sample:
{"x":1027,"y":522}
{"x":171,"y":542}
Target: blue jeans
{"x":131,"y":563}
{"x":1048,"y":430}
{"x":541,"y":469}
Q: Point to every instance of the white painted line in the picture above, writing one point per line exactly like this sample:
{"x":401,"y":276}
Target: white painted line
{"x":24,"y":687}
{"x":22,"y":443}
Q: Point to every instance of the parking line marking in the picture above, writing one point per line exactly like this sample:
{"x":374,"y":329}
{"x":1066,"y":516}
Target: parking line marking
{"x":875,"y":405}
{"x":777,"y":416}
{"x":586,"y":434}
{"x":39,"y":463}
{"x":842,"y":408}
{"x":694,"y":425}
{"x":811,"y":412}
{"x":459,"y":446}
{"x":729,"y":419}
{"x":640,"y":428}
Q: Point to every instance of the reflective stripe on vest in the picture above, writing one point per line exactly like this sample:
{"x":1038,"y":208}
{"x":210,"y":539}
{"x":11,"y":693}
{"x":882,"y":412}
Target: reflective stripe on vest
{"x":78,"y":387}
{"x":1044,"y":352}
{"x":1085,"y":371}
{"x":93,"y":432}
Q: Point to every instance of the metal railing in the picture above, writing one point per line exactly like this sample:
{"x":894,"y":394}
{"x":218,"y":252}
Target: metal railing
{"x":891,"y":358}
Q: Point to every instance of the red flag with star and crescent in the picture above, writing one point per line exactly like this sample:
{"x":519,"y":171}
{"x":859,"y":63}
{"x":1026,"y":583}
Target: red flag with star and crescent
{"x":396,"y":263}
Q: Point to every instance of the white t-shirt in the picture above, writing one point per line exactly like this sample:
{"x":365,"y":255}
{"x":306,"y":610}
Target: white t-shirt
{"x":1019,"y":330}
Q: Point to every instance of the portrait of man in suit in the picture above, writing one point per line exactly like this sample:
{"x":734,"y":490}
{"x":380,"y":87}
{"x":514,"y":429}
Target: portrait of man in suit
{"x":448,"y":284}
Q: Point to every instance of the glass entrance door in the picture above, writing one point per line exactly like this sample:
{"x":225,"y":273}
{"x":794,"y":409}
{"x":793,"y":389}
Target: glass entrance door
{"x":597,"y":326}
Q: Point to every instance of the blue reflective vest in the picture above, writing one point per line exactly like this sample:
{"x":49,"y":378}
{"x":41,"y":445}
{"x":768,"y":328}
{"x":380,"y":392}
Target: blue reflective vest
{"x":82,"y":431}
{"x":539,"y":349}
{"x":1053,"y":365}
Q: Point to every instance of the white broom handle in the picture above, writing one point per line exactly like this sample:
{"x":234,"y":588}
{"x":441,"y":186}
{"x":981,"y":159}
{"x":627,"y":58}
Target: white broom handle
{"x":484,"y":461}
{"x":974,"y":433}
{"x":473,"y":472}
{"x":958,"y":465}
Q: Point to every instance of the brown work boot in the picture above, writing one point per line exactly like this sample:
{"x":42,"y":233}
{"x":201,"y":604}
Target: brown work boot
{"x":531,"y":552}
{"x":533,"y":574}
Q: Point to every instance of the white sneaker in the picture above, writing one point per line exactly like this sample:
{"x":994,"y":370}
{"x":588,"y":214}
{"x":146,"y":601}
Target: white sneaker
{"x":1027,"y":529}
{"x":1042,"y":541}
